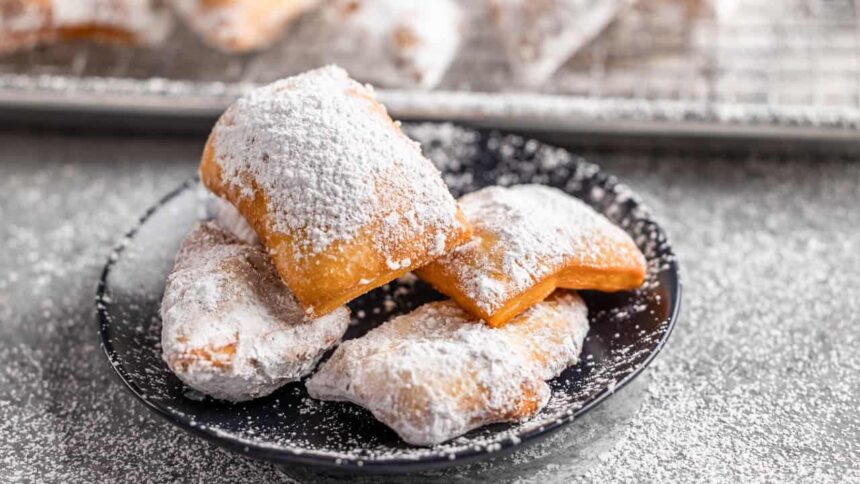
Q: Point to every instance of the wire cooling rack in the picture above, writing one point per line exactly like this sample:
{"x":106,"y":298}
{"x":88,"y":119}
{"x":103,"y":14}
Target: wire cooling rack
{"x":748,"y":68}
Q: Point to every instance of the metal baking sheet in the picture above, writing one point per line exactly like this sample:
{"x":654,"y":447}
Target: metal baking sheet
{"x":763,"y":70}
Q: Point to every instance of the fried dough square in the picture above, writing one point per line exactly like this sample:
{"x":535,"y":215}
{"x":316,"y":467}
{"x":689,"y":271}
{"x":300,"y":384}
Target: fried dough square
{"x":341,"y":198}
{"x":27,"y":23}
{"x":241,"y":25}
{"x":529,"y":240}
{"x":539,"y":36}
{"x":438,"y":372}
{"x":231,"y":329}
{"x":393,"y":43}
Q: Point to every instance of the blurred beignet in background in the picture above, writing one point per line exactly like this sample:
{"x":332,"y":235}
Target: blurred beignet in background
{"x":341,"y":198}
{"x":538,"y":36}
{"x":231,"y":328}
{"x":241,"y":25}
{"x":27,"y":23}
{"x":527,"y":241}
{"x":660,"y":35}
{"x":437,"y":372}
{"x":393,"y":43}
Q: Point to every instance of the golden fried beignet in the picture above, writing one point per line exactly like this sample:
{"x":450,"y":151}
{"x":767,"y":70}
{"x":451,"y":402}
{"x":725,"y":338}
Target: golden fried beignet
{"x":437,"y":372}
{"x":340,"y":197}
{"x":231,"y":328}
{"x":529,"y":240}
{"x":538,"y":36}
{"x":241,"y":25}
{"x":393,"y":43}
{"x":27,"y":23}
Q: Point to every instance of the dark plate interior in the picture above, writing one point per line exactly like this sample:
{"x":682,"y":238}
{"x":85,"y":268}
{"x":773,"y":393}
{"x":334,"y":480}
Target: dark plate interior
{"x":627,"y":329}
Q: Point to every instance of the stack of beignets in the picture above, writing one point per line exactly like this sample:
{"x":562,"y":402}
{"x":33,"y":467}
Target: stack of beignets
{"x":342,"y":202}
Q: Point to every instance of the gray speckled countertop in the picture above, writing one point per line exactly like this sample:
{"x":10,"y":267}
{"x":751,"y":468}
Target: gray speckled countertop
{"x":759,"y":382}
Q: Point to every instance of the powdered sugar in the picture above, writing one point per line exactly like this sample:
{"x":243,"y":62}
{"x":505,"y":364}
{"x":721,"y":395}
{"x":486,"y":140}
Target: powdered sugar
{"x":436,"y":373}
{"x":229,"y":218}
{"x":330,"y":162}
{"x":523,"y":234}
{"x":231,"y":328}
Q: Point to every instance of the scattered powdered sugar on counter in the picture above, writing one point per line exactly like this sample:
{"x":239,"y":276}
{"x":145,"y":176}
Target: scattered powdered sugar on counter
{"x":329,"y":160}
{"x":759,"y":382}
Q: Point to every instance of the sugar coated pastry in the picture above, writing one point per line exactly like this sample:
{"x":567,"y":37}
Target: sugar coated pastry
{"x":231,"y":328}
{"x":667,"y":24}
{"x":529,"y":240}
{"x":438,"y":372}
{"x":394,"y":43}
{"x":341,"y":198}
{"x":26,"y":23}
{"x":538,"y":36}
{"x":226,"y":215}
{"x":241,"y":25}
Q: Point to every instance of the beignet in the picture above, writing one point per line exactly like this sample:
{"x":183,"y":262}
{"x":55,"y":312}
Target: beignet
{"x":393,"y":43}
{"x":27,"y":23}
{"x":241,"y":25}
{"x":341,"y":198}
{"x":538,"y":36}
{"x":231,"y":328}
{"x":226,"y":216}
{"x":437,"y":372}
{"x":528,"y":240}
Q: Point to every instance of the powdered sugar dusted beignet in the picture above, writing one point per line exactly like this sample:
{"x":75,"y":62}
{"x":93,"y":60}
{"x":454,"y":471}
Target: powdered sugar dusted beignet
{"x":529,"y":240}
{"x":231,"y":328}
{"x":438,"y":372}
{"x":538,"y":36}
{"x":340,"y":197}
{"x":241,"y":25}
{"x":394,"y":43}
{"x":226,"y":216}
{"x":26,"y":23}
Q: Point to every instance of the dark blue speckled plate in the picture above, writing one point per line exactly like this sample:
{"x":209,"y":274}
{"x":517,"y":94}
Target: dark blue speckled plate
{"x":627,"y":329}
